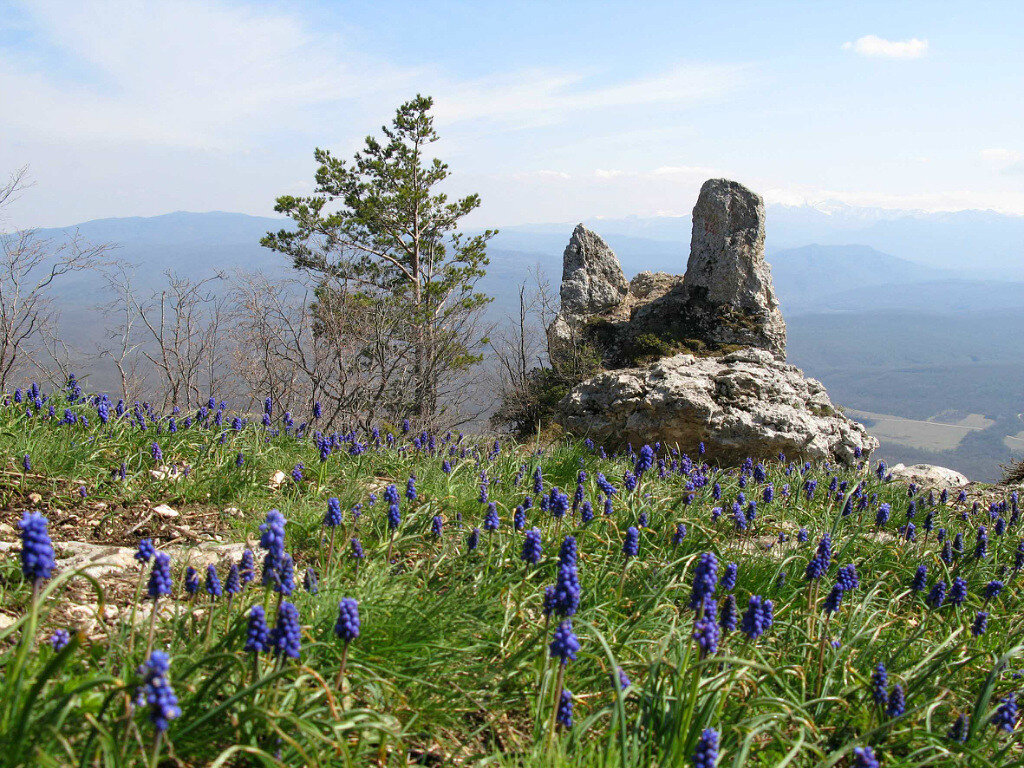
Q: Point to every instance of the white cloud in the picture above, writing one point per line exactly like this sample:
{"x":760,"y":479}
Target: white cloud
{"x":1003,"y":160}
{"x":183,"y":74}
{"x":534,"y":98}
{"x":878,"y":47}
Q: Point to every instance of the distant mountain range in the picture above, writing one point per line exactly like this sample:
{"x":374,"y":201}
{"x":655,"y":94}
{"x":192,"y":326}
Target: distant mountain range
{"x":905,"y":314}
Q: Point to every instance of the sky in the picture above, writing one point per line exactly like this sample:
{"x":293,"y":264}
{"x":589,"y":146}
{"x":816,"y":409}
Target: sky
{"x":552,"y":111}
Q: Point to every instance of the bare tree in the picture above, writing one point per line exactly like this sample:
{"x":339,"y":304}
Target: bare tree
{"x":30,"y":268}
{"x":179,"y":332}
{"x":303,"y":343}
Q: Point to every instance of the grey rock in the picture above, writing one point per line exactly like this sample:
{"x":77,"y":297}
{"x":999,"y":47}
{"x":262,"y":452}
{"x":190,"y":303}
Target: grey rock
{"x":930,"y":476}
{"x":728,"y":284}
{"x":592,"y":278}
{"x":746,"y":403}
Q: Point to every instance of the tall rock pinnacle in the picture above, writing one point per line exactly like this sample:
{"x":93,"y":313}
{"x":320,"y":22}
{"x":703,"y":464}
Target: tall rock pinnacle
{"x":728,"y":283}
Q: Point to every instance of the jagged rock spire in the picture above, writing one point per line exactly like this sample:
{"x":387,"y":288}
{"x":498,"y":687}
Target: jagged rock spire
{"x":592,"y":278}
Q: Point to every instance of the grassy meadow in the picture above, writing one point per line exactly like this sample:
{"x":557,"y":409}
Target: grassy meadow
{"x":460,"y":659}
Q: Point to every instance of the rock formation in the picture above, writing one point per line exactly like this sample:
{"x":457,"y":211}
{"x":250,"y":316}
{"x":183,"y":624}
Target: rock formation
{"x":745,"y":403}
{"x":692,"y":358}
{"x":592,"y":279}
{"x":728,"y":283}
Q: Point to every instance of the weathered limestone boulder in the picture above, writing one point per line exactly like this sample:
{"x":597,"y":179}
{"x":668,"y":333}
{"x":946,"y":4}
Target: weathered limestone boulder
{"x":728,"y":283}
{"x":745,"y":403}
{"x":930,"y":476}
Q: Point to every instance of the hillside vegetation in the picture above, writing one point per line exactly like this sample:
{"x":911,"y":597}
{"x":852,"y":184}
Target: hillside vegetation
{"x":500,"y":604}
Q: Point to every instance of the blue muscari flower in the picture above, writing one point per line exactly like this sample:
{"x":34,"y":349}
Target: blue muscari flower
{"x":160,"y":577}
{"x":558,"y":503}
{"x":897,"y":702}
{"x":882,"y":515}
{"x":212,"y":584}
{"x":981,"y":547}
{"x":446,"y":467}
{"x":602,"y":482}
{"x":567,"y":552}
{"x":629,"y":480}
{"x":37,"y":559}
{"x":586,"y":513}
{"x":624,"y":681}
{"x":1005,"y":717}
{"x":706,"y":630}
{"x":679,"y":535}
{"x":272,"y":540}
{"x":391,"y":494}
{"x":992,"y":589}
{"x":394,"y":516}
{"x":519,"y":519}
{"x":937,"y":594}
{"x":410,"y":488}
{"x":347,"y":625}
{"x":532,"y":548}
{"x":879,"y":684}
{"x":958,"y":591}
{"x":491,"y":520}
{"x":1018,"y":558}
{"x":728,"y":615}
{"x":959,"y":730}
{"x":333,"y":518}
{"x":156,"y":453}
{"x":286,"y":637}
{"x":947,"y":553}
{"x":564,"y":643}
{"x":567,"y":590}
{"x":755,"y":619}
{"x":705,"y":579}
{"x":769,"y":493}
{"x":802,"y":535}
{"x":317,"y":411}
{"x":548,"y":603}
{"x":357,"y":550}
{"x":538,"y":481}
{"x":631,"y":546}
{"x":145,"y":551}
{"x":191,"y":580}
{"x":473,"y":540}
{"x":26,"y":463}
{"x":247,"y":566}
{"x":233,"y":583}
{"x":645,"y":460}
{"x":706,"y":753}
{"x":716,"y":492}
{"x":920,"y":579}
{"x":156,"y":691}
{"x":285,"y":582}
{"x":564,"y":713}
{"x":864,"y":757}
{"x":309,"y":582}
{"x":608,"y":506}
{"x":643,"y":520}
{"x":833,"y":600}
{"x":437,"y":527}
{"x":958,"y":544}
{"x":297,"y":473}
{"x":729,"y":577}
{"x":739,"y":517}
{"x":59,"y":639}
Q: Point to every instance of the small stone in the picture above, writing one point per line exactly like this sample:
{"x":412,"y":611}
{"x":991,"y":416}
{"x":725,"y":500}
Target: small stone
{"x":278,"y":479}
{"x":165,"y":511}
{"x":35,"y":499}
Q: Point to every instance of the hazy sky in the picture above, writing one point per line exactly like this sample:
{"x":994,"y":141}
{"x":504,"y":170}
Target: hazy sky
{"x":552,"y":111}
